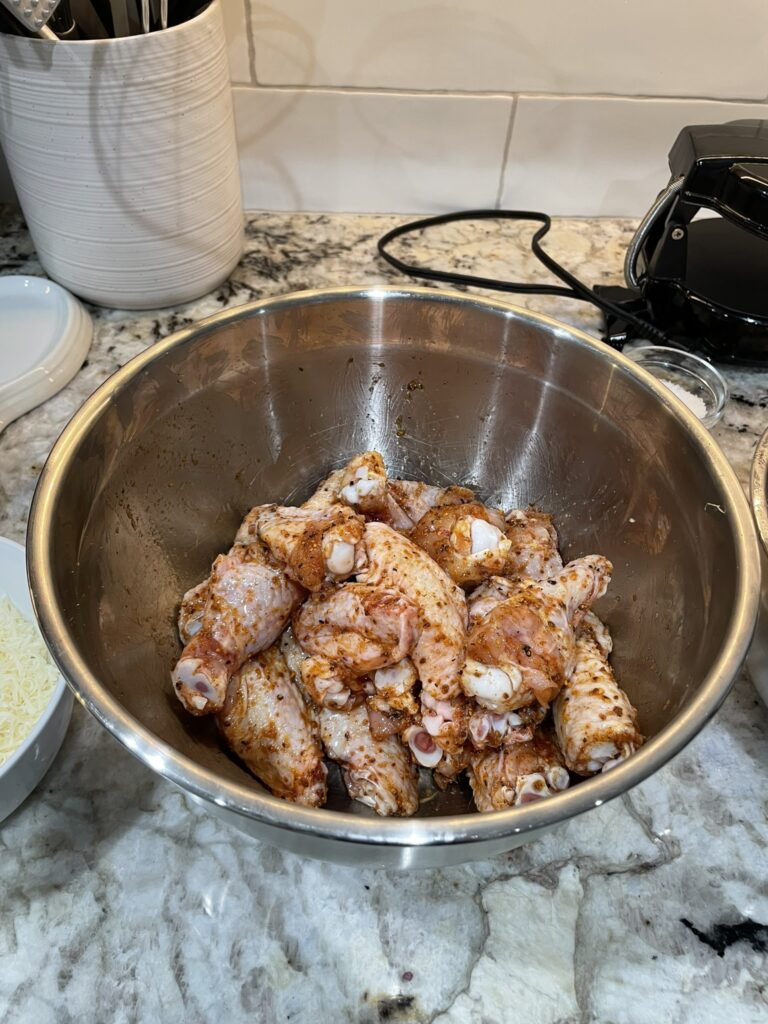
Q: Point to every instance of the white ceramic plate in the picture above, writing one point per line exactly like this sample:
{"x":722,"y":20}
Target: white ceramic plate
{"x":26,"y":766}
{"x":45,"y":334}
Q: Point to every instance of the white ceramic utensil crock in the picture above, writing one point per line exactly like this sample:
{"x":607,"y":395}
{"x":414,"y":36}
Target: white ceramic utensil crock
{"x":124,"y":159}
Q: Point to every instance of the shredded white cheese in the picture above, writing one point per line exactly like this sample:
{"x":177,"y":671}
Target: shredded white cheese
{"x":27,"y":677}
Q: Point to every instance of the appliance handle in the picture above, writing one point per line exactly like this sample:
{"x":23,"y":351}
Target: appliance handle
{"x":662,"y":201}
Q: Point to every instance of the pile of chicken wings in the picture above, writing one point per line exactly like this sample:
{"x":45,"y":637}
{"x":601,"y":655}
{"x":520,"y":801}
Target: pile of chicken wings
{"x":390,"y":625}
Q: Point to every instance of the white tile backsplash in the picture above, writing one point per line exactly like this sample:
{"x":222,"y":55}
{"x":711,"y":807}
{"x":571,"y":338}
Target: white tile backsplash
{"x":235,"y":25}
{"x":405,"y":106}
{"x":631,"y":47}
{"x":358,"y":151}
{"x":589,"y":156}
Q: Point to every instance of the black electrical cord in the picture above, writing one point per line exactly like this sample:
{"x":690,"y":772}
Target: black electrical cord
{"x":574,"y":289}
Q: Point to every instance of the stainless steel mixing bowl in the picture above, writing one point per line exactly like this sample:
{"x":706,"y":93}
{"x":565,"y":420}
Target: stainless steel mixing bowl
{"x":151,"y":477}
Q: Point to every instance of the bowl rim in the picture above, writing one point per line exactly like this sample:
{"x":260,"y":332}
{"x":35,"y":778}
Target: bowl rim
{"x":254,"y":802}
{"x":60,"y":690}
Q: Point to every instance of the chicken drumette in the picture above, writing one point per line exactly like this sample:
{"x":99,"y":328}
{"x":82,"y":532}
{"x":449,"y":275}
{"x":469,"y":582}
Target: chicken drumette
{"x":467,"y":541}
{"x":523,"y":650}
{"x":595,"y":721}
{"x":517,"y":774}
{"x":240,"y":610}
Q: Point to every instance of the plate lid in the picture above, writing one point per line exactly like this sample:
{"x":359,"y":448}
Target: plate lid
{"x":45,"y":334}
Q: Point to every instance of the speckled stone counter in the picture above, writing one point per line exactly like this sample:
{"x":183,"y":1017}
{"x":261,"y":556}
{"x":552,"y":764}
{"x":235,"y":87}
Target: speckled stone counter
{"x":121,"y":900}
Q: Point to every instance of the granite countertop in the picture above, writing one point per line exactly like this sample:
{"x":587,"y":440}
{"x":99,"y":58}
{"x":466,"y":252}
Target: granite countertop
{"x":121,"y":900}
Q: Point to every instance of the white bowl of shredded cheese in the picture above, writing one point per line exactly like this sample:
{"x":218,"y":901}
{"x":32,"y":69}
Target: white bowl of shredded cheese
{"x":35,"y":703}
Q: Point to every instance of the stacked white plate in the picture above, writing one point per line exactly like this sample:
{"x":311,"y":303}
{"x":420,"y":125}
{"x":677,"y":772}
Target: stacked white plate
{"x":45,"y":335}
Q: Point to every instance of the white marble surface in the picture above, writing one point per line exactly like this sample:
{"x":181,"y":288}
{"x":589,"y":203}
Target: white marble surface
{"x":122,"y":901}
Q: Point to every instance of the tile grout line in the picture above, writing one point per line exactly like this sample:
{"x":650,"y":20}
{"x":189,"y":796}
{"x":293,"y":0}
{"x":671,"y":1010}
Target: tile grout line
{"x":505,"y":152}
{"x":251,"y":43}
{"x":493,"y":94}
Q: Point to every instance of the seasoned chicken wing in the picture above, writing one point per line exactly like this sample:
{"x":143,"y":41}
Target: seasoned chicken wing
{"x":361,"y":627}
{"x":595,"y":721}
{"x":363,"y":485}
{"x":191,"y":611}
{"x":494,"y":729}
{"x":386,"y":720}
{"x":533,"y":545}
{"x":451,"y":766}
{"x":467,"y":541}
{"x":378,"y":773}
{"x":524,"y":649}
{"x":415,"y":499}
{"x":517,"y":774}
{"x":483,"y":599}
{"x":314,"y":546}
{"x":387,"y":664}
{"x":394,"y":687}
{"x":395,"y":562}
{"x":446,"y":720}
{"x":441,"y":729}
{"x":267,"y":724}
{"x":247,"y":604}
{"x":331,"y":685}
{"x":324,"y":683}
{"x":327,"y":493}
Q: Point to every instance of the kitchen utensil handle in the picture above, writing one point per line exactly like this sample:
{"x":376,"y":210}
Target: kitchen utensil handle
{"x":34,"y":18}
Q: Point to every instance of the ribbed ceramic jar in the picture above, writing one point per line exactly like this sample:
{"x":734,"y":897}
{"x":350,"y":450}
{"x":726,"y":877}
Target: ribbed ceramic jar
{"x":124,"y":159}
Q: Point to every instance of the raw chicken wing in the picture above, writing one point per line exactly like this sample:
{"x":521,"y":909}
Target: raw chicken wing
{"x":323,"y":682}
{"x":441,"y":729}
{"x":331,"y":685}
{"x":314,"y":546}
{"x":533,"y":545}
{"x":523,"y":651}
{"x":493,"y":729}
{"x":361,"y":627}
{"x":415,"y":499}
{"x":395,"y":562}
{"x":191,"y":611}
{"x":595,"y":721}
{"x":378,"y":773}
{"x":517,"y":774}
{"x":451,"y":766}
{"x":327,"y":493}
{"x":483,"y":599}
{"x":394,"y":687}
{"x":363,"y":485}
{"x":248,"y":602}
{"x":267,"y":724}
{"x":467,"y":541}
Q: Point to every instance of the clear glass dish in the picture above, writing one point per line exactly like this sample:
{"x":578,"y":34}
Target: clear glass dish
{"x":704,"y":389}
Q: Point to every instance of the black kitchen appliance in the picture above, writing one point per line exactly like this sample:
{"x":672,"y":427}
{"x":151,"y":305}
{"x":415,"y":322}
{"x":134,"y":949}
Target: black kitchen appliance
{"x":697,"y":268}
